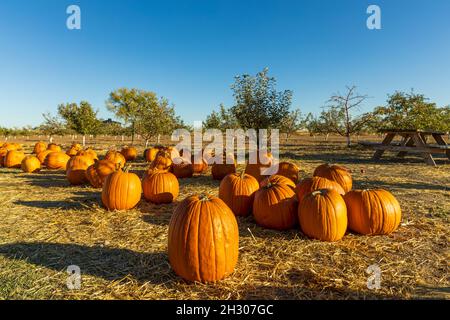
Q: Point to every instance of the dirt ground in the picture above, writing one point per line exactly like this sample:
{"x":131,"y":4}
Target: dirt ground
{"x":47,"y":225}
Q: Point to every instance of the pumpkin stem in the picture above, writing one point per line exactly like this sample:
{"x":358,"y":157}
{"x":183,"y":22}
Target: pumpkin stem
{"x":319,"y":192}
{"x":203,"y":197}
{"x":126,"y":168}
{"x":242,"y":174}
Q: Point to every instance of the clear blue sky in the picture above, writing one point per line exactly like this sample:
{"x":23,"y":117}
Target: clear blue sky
{"x":190,"y":50}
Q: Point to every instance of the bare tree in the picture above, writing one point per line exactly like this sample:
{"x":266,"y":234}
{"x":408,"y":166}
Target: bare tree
{"x":338,"y":114}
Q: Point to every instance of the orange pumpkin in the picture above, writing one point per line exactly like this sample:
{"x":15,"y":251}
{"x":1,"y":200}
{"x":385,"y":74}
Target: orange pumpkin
{"x":203,"y":240}
{"x":76,"y":169}
{"x":150,"y":154}
{"x":275,"y":204}
{"x":221,"y":170}
{"x":162,"y":161}
{"x":309,"y":185}
{"x":13,"y":159}
{"x":323,"y":215}
{"x":372,"y":212}
{"x":57,"y":161}
{"x":200,"y":165}
{"x":72,"y":152}
{"x":54,"y":147}
{"x":88,"y":152}
{"x":288,"y":170}
{"x":261,"y":169}
{"x":76,"y":146}
{"x":160,"y":186}
{"x":116,"y":157}
{"x":182,"y":168}
{"x":30,"y":164}
{"x":97,"y":173}
{"x":238,"y":192}
{"x":121,"y":191}
{"x":129,"y":153}
{"x":43,"y":155}
{"x":39,"y":147}
{"x":336,"y":173}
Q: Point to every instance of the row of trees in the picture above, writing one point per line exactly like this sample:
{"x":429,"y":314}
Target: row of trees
{"x":141,"y":111}
{"x":258,"y":105}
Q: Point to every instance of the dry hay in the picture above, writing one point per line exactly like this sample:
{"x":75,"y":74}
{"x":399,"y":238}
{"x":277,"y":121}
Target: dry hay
{"x":47,"y":225}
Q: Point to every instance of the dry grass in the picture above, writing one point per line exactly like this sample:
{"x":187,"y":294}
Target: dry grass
{"x":47,"y":225}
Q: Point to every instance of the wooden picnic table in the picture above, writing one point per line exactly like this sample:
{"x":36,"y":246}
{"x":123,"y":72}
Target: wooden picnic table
{"x":412,"y":141}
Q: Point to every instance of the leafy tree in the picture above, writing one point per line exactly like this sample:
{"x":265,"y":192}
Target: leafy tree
{"x":157,"y":118}
{"x":222,"y":120}
{"x":52,"y":125}
{"x":412,"y":111}
{"x":127,"y":105}
{"x":81,"y":119}
{"x":112,"y":128}
{"x":338,"y":114}
{"x":258,"y":105}
{"x":292,"y":123}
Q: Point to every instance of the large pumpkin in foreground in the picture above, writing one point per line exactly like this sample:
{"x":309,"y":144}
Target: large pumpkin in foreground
{"x":309,"y":185}
{"x":121,"y":191}
{"x":275,"y":204}
{"x":335,"y":173}
{"x":203,"y":239}
{"x":238,"y":192}
{"x":372,"y":212}
{"x":160,"y":186}
{"x":323,"y":215}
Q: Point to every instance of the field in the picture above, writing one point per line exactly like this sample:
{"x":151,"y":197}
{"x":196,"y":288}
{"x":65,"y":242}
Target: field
{"x":47,"y":225}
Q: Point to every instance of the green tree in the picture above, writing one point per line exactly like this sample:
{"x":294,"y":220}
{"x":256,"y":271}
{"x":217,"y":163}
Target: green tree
{"x":156,"y":118}
{"x":412,"y":111}
{"x":292,"y":123}
{"x":51,"y":126}
{"x":81,"y":118}
{"x":127,"y":105}
{"x":222,"y":120}
{"x":258,"y":105}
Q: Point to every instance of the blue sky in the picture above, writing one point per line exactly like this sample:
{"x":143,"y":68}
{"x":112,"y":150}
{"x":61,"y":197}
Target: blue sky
{"x":190,"y":50}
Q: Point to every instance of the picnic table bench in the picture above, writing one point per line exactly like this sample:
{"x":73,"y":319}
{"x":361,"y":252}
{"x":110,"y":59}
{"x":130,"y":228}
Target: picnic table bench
{"x":412,"y":141}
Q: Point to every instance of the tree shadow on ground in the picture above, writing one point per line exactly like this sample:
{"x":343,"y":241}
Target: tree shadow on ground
{"x":108,"y":263}
{"x":157,"y":214}
{"x":78,"y":201}
{"x":377,"y":184}
{"x":304,"y":284}
{"x":47,"y":179}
